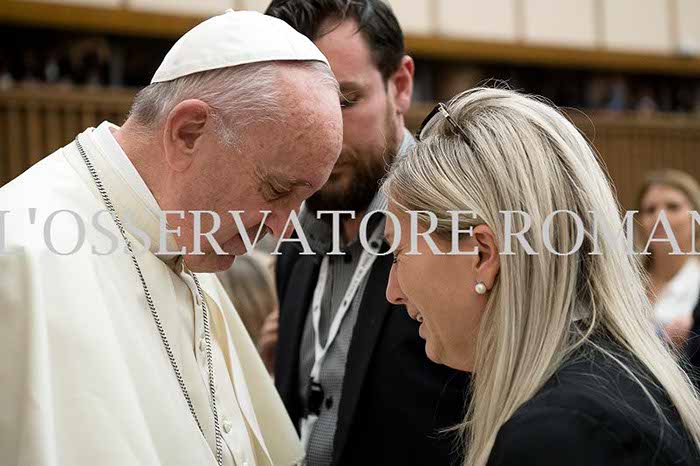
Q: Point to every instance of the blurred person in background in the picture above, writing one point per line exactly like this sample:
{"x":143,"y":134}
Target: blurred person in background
{"x":373,"y":398}
{"x":250,"y":285}
{"x":674,"y":279}
{"x":568,"y":370}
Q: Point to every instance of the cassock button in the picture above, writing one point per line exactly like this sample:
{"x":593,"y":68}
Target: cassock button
{"x":227,"y":426}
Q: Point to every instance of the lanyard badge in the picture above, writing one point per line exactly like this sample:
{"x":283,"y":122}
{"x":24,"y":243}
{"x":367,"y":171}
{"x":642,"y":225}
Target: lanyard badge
{"x":314,"y":397}
{"x":315,"y":393}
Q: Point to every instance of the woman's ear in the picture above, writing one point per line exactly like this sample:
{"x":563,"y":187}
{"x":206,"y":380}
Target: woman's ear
{"x":184,"y":128}
{"x":487,"y":267}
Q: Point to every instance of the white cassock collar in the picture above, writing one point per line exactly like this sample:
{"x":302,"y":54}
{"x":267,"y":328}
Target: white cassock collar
{"x":133,"y":201}
{"x":119,"y":161}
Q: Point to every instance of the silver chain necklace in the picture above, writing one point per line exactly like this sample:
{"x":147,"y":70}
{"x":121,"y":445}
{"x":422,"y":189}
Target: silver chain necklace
{"x":156,"y":317}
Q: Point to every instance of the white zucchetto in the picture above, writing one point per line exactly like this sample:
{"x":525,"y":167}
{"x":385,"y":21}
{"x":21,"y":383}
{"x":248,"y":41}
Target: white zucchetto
{"x":235,"y":38}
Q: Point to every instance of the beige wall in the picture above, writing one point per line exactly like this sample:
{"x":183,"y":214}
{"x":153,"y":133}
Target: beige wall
{"x":255,"y":5}
{"x":648,"y":26}
{"x":477,"y":19}
{"x":642,"y":25}
{"x":689,"y":26}
{"x":560,"y":22}
{"x":198,"y":7}
{"x":97,"y":3}
{"x":415,"y":16}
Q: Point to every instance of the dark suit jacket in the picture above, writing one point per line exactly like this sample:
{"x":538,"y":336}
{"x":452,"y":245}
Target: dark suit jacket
{"x":693,"y":344}
{"x":394,"y":398}
{"x":592,"y":414}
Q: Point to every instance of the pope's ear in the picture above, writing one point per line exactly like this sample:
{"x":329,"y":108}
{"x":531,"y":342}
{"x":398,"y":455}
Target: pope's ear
{"x":184,"y":128}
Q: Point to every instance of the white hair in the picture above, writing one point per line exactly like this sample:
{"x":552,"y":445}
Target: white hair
{"x":524,"y":155}
{"x":238,"y":96}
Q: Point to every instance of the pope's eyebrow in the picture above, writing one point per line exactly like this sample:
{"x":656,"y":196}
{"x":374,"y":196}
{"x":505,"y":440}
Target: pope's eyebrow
{"x":281,"y":182}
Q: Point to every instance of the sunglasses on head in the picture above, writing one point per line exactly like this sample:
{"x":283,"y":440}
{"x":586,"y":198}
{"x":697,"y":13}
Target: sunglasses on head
{"x":441,"y":108}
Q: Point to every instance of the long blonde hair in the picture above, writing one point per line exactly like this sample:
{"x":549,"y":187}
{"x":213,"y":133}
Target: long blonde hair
{"x":524,"y":155}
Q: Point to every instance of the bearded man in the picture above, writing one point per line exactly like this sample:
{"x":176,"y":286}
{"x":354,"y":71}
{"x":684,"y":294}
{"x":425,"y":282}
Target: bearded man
{"x":351,"y":367}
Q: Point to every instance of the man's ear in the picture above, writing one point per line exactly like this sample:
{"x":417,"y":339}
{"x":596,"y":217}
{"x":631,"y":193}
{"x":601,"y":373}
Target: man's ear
{"x":183,"y":132}
{"x":489,"y":264}
{"x":401,"y":84}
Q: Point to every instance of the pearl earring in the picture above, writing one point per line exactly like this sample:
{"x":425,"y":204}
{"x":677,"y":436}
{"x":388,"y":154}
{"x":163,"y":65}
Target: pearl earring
{"x":480,"y":288}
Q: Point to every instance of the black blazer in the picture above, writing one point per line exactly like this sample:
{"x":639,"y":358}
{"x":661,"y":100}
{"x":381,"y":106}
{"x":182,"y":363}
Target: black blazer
{"x":591,"y":413}
{"x":692,"y":346}
{"x":394,"y":398}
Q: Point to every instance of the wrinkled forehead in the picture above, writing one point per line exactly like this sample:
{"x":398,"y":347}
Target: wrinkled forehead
{"x":302,"y":160}
{"x":303,"y":139}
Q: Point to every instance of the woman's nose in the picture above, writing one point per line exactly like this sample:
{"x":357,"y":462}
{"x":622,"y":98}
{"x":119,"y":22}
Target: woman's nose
{"x":394,"y":293}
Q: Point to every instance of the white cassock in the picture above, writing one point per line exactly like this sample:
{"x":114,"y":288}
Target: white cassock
{"x":84,"y":377}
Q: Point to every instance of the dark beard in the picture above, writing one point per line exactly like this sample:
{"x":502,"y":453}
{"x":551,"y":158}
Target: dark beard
{"x":368,"y":171}
{"x":357,"y":198}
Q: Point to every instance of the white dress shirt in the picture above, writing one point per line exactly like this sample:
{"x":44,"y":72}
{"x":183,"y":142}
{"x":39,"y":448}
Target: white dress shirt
{"x":680,"y":295}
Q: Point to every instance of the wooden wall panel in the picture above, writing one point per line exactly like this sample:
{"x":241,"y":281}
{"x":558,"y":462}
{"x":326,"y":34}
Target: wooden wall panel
{"x":53,"y":128}
{"x":35,"y":131}
{"x":16,"y":136}
{"x":36,"y":121}
{"x":4,"y":156}
{"x":633,"y":148}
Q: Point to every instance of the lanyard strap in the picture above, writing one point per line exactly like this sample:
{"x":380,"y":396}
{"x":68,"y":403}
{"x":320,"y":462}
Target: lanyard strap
{"x":363,"y":267}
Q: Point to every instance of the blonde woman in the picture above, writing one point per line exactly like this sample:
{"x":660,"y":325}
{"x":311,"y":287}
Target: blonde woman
{"x":674,"y":280}
{"x":567,"y":366}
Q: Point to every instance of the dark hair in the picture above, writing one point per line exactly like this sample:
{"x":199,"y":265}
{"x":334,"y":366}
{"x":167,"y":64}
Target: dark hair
{"x":375,"y":20}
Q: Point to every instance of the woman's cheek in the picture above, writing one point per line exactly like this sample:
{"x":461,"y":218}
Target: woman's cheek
{"x":407,"y":278}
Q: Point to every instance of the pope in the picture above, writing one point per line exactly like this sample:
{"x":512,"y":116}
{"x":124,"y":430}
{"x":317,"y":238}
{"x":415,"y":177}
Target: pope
{"x":137,"y":357}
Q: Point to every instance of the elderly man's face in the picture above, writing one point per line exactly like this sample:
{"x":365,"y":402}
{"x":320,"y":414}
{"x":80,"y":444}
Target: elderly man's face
{"x":274,"y":168}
